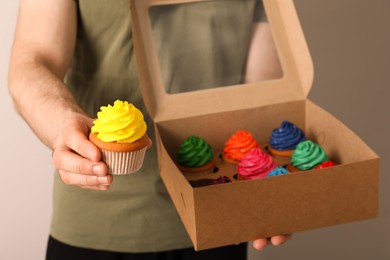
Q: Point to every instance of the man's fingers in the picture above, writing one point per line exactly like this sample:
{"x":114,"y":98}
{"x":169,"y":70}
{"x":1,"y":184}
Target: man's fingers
{"x":260,"y":243}
{"x":278,"y":240}
{"x":85,"y":181}
{"x":78,"y":159}
{"x":78,"y":142}
{"x":101,"y":187}
{"x":71,"y":162}
{"x":150,"y":143}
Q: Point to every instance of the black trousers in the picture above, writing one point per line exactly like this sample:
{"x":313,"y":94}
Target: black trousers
{"x":57,"y":250}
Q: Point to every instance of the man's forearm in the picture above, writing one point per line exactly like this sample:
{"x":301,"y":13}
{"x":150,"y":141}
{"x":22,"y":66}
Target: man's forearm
{"x":41,"y":98}
{"x":42,"y":52}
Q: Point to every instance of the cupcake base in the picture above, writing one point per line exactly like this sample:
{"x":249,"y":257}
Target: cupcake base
{"x":291,"y":168}
{"x":281,"y":158}
{"x":229,"y":160}
{"x":122,"y":158}
{"x":120,"y":163}
{"x":275,"y":152}
{"x":207,"y":168}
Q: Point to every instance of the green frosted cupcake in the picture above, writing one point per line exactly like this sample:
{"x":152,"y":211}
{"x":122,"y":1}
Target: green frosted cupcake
{"x":306,"y":156}
{"x":195,"y":155}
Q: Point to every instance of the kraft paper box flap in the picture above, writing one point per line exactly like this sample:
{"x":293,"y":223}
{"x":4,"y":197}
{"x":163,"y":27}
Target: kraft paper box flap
{"x":292,"y":51}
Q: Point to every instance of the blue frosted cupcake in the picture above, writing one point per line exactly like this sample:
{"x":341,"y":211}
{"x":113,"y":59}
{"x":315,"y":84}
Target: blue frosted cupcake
{"x":285,"y":139}
{"x":277,"y":171}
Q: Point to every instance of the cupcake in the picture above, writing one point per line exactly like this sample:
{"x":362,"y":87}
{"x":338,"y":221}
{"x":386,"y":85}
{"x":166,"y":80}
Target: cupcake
{"x":120,"y":133}
{"x":325,"y":165}
{"x":195,"y":156}
{"x":255,"y":164}
{"x":277,"y":171}
{"x":306,"y":156}
{"x":237,"y":146}
{"x":221,"y":180}
{"x":284,"y":139}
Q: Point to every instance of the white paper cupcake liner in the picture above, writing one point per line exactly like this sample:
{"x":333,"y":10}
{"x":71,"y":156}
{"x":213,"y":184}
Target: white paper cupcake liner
{"x":120,"y":163}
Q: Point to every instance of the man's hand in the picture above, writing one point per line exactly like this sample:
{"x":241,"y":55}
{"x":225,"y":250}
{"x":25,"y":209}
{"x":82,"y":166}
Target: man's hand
{"x":77,"y":159}
{"x":259,"y":244}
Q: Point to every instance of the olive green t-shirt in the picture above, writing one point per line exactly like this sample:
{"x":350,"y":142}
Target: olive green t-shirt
{"x":136,"y":214}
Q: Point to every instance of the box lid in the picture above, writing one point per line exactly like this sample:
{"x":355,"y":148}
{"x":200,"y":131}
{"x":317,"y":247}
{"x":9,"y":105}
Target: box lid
{"x":292,"y":51}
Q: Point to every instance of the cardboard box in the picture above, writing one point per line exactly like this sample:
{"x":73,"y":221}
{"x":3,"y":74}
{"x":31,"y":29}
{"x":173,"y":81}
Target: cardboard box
{"x":240,"y":211}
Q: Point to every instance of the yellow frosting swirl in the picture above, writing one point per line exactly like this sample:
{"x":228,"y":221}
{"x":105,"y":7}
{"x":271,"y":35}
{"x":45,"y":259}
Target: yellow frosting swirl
{"x":122,"y":123}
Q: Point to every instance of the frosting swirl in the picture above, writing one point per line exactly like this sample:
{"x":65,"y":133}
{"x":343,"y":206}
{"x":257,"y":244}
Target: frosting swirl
{"x":122,"y":123}
{"x":307,"y":155}
{"x":195,"y":152}
{"x":277,"y":171}
{"x":255,"y":164}
{"x":239,"y":144}
{"x":286,"y":137}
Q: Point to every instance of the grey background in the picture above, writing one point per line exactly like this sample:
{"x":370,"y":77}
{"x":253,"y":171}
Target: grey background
{"x":349,"y":41}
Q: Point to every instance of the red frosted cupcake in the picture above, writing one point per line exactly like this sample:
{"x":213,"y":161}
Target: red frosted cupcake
{"x":325,"y":164}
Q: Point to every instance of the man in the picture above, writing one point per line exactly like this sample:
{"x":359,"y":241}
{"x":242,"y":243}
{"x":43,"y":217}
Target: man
{"x":69,"y":58}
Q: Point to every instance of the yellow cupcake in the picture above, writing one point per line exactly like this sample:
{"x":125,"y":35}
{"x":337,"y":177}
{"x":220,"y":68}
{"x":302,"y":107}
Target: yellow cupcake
{"x":120,"y":133}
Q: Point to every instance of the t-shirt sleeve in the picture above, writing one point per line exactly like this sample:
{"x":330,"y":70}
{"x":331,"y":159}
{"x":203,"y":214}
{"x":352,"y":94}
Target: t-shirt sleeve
{"x":259,"y":14}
